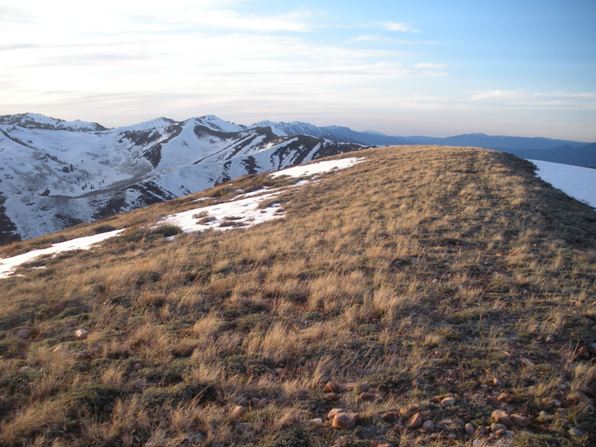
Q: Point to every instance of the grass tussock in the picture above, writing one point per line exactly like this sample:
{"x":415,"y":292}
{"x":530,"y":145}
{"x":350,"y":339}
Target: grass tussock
{"x":417,"y":274}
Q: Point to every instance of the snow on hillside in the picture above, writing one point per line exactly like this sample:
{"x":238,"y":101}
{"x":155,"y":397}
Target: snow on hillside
{"x":575,"y":181}
{"x":9,"y":265}
{"x":244,"y":212}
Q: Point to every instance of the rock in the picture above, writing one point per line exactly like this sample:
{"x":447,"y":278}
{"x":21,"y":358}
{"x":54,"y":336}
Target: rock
{"x":406,"y":412}
{"x":428,"y":425}
{"x":331,"y":387}
{"x":81,"y":333}
{"x":447,"y":401}
{"x":366,"y":397}
{"x":575,"y":432}
{"x":550,"y":338}
{"x":519,"y":420}
{"x":23,"y":333}
{"x":316,"y":421}
{"x":504,"y":397}
{"x":500,"y":433}
{"x":390,"y":416}
{"x":335,"y":411}
{"x":237,"y":412}
{"x":495,"y":427}
{"x":469,"y":428}
{"x":344,"y":421}
{"x":500,"y":417}
{"x":414,"y":421}
{"x":497,"y":382}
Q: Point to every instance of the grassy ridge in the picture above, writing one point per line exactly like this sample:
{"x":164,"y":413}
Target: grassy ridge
{"x":418,"y":275}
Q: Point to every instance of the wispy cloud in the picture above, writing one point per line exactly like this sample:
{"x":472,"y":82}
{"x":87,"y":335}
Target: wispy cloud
{"x":535,"y":100}
{"x":400,"y":27}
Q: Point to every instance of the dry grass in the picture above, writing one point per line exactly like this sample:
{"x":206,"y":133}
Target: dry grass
{"x":419,"y":272}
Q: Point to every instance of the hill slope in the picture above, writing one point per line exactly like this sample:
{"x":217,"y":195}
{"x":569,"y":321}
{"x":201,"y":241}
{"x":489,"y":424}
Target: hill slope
{"x":418,"y":285}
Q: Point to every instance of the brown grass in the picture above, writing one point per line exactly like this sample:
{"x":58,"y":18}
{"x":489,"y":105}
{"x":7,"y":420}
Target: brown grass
{"x":419,"y":272}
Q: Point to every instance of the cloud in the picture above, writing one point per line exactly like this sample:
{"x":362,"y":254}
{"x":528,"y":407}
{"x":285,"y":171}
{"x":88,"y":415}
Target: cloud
{"x":399,"y":27}
{"x":534,"y":100}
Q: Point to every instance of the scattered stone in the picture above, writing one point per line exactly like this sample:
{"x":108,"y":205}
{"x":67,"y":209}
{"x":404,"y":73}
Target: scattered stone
{"x":504,"y":397}
{"x":428,"y":425}
{"x":237,"y":412}
{"x":447,"y":401}
{"x":390,"y":416}
{"x":81,"y":333}
{"x":575,"y":432}
{"x":335,"y":411}
{"x":414,"y":421}
{"x":406,"y":412}
{"x":495,"y":427}
{"x":550,"y":338}
{"x":344,"y":421}
{"x":500,"y":433}
{"x":500,"y":417}
{"x":497,"y":382}
{"x":23,"y":333}
{"x":332,"y":387}
{"x":366,"y":397}
{"x":519,"y":420}
{"x":469,"y":428}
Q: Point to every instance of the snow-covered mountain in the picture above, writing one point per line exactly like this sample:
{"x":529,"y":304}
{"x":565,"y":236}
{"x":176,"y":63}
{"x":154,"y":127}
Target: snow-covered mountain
{"x":56,"y":173}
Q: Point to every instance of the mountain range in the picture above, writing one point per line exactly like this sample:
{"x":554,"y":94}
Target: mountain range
{"x":56,"y":173}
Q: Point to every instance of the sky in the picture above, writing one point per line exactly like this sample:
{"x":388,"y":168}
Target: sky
{"x":417,"y":67}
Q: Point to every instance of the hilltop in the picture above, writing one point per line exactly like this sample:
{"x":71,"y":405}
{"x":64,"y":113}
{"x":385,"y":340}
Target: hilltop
{"x":433,"y":297}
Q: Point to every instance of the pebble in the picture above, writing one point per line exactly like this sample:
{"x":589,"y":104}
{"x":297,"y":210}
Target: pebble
{"x":335,"y":411}
{"x":504,"y":397}
{"x":550,"y":338}
{"x":331,"y":387}
{"x":344,"y":421}
{"x":500,"y":417}
{"x":414,"y":421}
{"x":469,"y":428}
{"x":495,"y":427}
{"x":81,"y":333}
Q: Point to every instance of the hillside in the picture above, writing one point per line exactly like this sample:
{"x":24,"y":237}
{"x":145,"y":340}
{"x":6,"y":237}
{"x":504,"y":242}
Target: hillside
{"x":437,"y":297}
{"x":56,"y":173}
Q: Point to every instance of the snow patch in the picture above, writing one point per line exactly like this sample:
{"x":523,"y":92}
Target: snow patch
{"x":317,"y":168}
{"x":575,"y":181}
{"x":242,"y":213}
{"x":9,"y":265}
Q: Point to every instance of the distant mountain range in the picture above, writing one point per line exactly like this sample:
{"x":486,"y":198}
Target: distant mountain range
{"x":537,"y":148}
{"x":56,"y":173}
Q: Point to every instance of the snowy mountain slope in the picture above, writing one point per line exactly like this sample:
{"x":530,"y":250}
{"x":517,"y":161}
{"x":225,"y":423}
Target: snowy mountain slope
{"x":55,"y":173}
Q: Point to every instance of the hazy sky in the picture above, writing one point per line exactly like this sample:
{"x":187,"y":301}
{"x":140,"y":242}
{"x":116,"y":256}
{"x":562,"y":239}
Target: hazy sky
{"x":433,"y":67}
